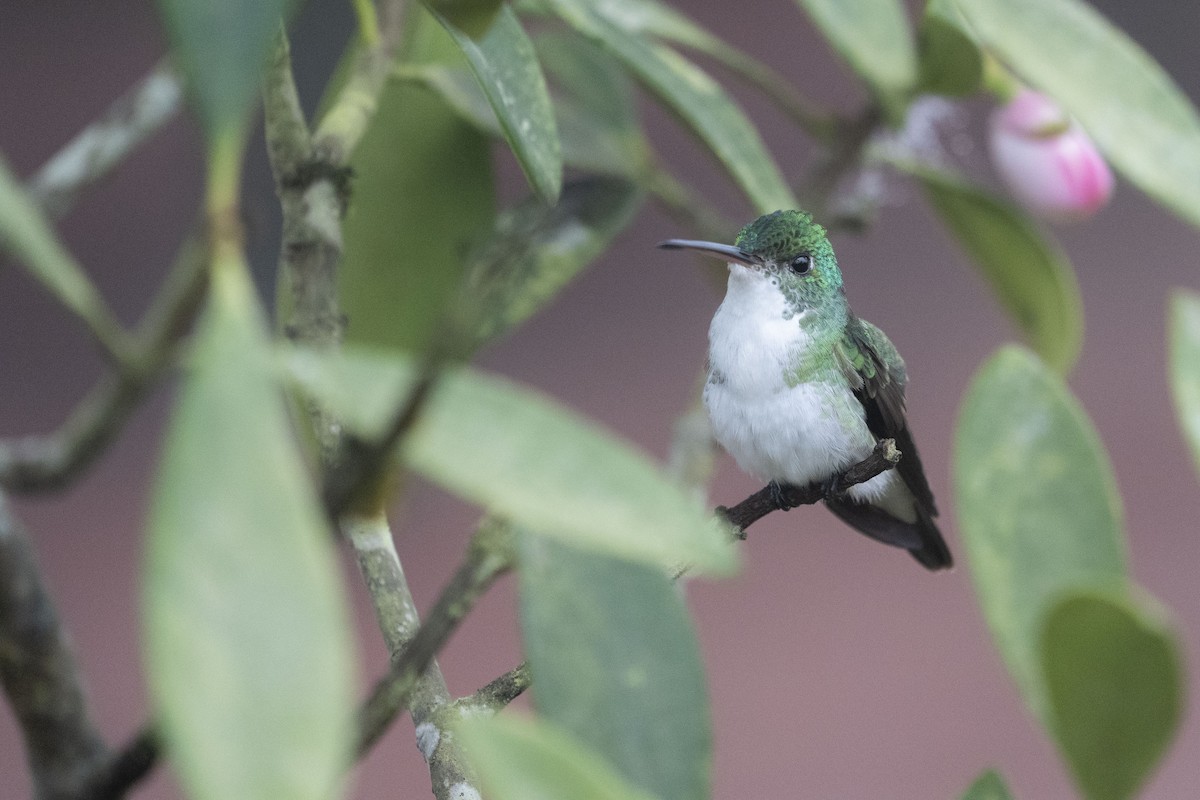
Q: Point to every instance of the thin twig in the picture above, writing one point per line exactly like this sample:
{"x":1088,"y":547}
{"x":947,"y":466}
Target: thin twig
{"x":496,"y":695}
{"x":42,"y":463}
{"x":106,"y":142}
{"x":40,"y":675}
{"x":126,"y":768}
{"x":488,"y":557}
{"x":885,"y":456}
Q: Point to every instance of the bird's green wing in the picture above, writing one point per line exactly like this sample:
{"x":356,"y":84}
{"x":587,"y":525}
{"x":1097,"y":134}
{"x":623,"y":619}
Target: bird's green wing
{"x":877,"y":376}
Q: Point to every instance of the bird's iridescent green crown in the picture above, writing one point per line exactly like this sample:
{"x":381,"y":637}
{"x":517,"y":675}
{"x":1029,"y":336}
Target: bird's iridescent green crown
{"x":780,"y":235}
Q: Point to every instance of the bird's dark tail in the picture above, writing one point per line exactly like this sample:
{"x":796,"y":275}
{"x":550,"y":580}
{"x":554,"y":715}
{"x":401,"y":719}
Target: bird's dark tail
{"x":921,"y":538}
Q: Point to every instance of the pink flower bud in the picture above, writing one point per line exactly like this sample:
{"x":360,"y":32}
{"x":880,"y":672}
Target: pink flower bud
{"x":1050,"y":164}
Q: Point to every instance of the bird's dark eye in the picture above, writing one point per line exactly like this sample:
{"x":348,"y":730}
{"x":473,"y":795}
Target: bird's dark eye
{"x":801,"y":264}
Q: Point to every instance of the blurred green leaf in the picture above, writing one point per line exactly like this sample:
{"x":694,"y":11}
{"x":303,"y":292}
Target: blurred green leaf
{"x":1029,"y":275}
{"x":507,"y":69}
{"x":593,"y":104}
{"x":536,"y":250}
{"x":423,"y":194}
{"x":1038,"y":507}
{"x":616,"y":664}
{"x":248,"y":655}
{"x":27,"y":235}
{"x":949,"y":61}
{"x":873,"y":36}
{"x":698,"y":100}
{"x":1183,"y":339}
{"x":522,"y":759}
{"x":524,"y":457}
{"x":1122,"y":97}
{"x":988,"y":786}
{"x":596,"y":106}
{"x":473,"y":17}
{"x":1115,"y":681}
{"x":221,"y":47}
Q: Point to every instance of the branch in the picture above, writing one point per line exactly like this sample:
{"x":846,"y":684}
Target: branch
{"x":39,"y":673}
{"x":885,"y":456}
{"x":41,"y":463}
{"x":105,"y":143}
{"x":113,"y":779}
{"x":493,"y":697}
{"x":352,"y":110}
{"x":488,"y":557}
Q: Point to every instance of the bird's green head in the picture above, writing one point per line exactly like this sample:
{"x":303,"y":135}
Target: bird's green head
{"x":785,"y":247}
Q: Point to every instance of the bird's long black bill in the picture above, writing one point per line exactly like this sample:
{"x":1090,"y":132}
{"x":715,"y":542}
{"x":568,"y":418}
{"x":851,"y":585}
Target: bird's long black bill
{"x":725,"y":251}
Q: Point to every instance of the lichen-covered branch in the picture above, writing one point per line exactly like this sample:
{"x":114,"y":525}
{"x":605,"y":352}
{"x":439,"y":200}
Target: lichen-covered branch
{"x":105,"y":143}
{"x":489,"y":556}
{"x":497,"y":694}
{"x":343,"y":126}
{"x":40,"y":675}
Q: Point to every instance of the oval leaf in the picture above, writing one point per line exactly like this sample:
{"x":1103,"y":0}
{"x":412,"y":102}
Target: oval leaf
{"x":615,"y":660}
{"x":1030,"y":276}
{"x":1121,"y":96}
{"x":246,"y":634}
{"x":416,"y":210}
{"x":524,"y":457}
{"x":698,"y":100}
{"x":1037,"y":504}
{"x":507,"y":70}
{"x":220,"y":47}
{"x":950,"y":62}
{"x":596,"y":106}
{"x":1184,"y":342}
{"x":1115,"y":681}
{"x":873,"y":36}
{"x":522,"y":759}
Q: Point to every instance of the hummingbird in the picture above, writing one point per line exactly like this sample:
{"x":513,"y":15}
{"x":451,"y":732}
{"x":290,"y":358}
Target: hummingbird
{"x":799,"y":388}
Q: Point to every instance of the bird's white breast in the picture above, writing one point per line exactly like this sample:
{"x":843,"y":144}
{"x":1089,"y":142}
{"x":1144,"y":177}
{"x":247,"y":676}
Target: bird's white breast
{"x":788,"y":433}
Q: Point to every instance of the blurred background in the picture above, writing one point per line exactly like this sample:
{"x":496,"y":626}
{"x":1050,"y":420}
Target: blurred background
{"x":838,"y":667}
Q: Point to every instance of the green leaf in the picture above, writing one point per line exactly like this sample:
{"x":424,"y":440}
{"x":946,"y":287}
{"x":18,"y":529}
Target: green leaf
{"x":248,"y":655}
{"x":873,"y":36}
{"x":220,"y":47}
{"x":593,"y":104}
{"x":1037,"y":504}
{"x":524,"y":457}
{"x":949,"y":60}
{"x":520,"y":759}
{"x":692,"y":94}
{"x":615,"y":660}
{"x":988,"y":786}
{"x":536,"y":250}
{"x":1029,"y":275}
{"x":423,"y":194}
{"x":507,"y":70}
{"x":596,"y":106}
{"x":1121,"y":96}
{"x":28,"y":236}
{"x":473,"y":17}
{"x":1183,"y":339}
{"x":1116,"y":685}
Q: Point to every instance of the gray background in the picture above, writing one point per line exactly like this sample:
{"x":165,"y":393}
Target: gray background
{"x":839,"y":668}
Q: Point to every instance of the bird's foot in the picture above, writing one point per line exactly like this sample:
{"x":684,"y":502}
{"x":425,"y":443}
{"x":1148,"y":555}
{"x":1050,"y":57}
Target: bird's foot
{"x":779,"y":497}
